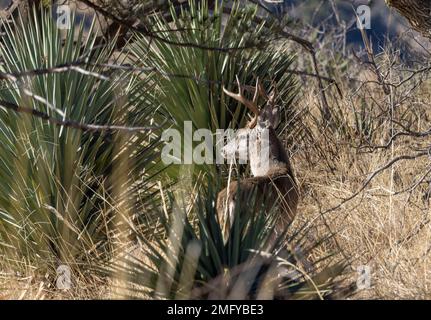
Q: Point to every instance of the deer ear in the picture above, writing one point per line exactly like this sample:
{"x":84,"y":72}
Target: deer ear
{"x":271,"y":115}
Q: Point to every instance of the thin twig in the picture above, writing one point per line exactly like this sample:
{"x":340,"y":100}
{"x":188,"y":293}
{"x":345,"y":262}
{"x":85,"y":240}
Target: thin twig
{"x":74,"y":124}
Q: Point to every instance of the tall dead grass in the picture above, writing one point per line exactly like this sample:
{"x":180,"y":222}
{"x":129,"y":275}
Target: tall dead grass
{"x":386,"y":226}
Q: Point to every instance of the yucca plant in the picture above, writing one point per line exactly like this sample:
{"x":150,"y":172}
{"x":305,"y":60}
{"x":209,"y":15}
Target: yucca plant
{"x":60,"y":186}
{"x":187,"y":258}
{"x":193,"y":262}
{"x":188,"y":80}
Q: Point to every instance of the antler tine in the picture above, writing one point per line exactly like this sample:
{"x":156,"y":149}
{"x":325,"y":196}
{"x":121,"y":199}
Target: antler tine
{"x":261,"y":90}
{"x":273,"y":93}
{"x":251,"y":105}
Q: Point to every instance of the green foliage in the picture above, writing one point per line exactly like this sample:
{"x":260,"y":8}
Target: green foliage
{"x":55,"y":187}
{"x":193,"y":262}
{"x":63,"y":190}
{"x":188,"y":84}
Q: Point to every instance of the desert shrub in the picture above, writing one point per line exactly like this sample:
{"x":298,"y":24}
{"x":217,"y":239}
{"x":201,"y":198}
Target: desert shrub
{"x":57,"y":197}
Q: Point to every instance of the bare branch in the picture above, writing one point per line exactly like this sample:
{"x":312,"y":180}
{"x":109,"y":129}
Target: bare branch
{"x":76,"y":66}
{"x":73,"y":66}
{"x":147,"y":32}
{"x":74,"y":124}
{"x":376,"y":173}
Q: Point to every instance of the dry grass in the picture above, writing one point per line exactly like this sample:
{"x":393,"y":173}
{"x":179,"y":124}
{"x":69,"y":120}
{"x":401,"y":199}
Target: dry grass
{"x":20,"y":280}
{"x":386,"y":231}
{"x":389,"y":233}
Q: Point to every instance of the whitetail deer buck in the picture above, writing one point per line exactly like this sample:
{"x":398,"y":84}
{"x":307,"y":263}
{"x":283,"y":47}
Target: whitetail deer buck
{"x":275,"y":181}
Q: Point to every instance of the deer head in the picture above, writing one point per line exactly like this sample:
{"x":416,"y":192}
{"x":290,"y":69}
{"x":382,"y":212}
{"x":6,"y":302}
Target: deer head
{"x":257,"y":139}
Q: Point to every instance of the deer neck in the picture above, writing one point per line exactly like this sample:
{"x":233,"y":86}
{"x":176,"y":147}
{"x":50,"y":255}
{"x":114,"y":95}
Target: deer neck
{"x":273,"y":162}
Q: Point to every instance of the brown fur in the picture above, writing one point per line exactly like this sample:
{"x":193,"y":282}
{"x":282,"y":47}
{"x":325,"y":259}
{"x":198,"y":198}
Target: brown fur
{"x":279,"y":186}
{"x":274,"y":187}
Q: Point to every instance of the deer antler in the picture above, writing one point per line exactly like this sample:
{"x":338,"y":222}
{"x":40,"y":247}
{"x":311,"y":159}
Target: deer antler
{"x":273,"y":94}
{"x":251,"y":105}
